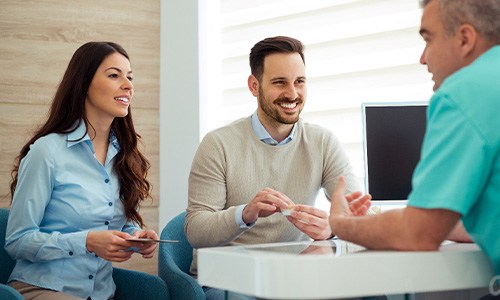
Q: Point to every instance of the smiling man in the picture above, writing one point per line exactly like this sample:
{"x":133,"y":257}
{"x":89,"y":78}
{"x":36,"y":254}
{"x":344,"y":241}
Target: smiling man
{"x":458,"y":177}
{"x":243,"y":174}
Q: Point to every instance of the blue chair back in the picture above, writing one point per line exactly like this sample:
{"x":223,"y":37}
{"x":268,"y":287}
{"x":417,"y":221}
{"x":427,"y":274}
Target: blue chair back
{"x":6,"y":263}
{"x":174,"y":260}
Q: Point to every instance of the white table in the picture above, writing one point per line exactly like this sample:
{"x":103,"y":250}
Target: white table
{"x":280,"y":271}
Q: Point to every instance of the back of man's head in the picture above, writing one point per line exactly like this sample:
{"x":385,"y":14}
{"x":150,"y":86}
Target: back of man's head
{"x":483,"y":15}
{"x":277,"y":44}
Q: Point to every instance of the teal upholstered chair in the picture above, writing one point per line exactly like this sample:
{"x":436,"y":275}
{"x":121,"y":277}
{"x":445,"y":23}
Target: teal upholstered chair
{"x":6,"y":263}
{"x":174,"y":260}
{"x":130,"y":285}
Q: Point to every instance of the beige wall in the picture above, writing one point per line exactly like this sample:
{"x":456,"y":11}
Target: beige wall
{"x":37,"y":40}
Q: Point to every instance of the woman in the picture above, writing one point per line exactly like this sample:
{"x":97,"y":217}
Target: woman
{"x":78,"y":183}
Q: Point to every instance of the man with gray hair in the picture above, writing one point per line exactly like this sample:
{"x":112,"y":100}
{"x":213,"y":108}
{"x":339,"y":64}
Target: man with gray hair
{"x":457,"y":180}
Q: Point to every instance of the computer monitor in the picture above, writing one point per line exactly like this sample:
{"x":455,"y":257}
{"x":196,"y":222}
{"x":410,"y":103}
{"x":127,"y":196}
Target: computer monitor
{"x":392,"y":140}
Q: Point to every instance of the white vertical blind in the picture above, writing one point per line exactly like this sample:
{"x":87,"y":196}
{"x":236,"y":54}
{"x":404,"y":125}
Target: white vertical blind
{"x":356,"y":51}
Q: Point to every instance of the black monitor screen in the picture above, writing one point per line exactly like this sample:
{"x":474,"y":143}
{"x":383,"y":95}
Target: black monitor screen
{"x":393,"y":135}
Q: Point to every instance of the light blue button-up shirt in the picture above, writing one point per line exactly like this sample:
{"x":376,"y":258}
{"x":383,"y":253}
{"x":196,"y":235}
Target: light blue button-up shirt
{"x":62,"y":193}
{"x":266,"y":138}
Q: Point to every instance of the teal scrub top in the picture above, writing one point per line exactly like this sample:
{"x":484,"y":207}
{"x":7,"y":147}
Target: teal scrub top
{"x":460,"y":161}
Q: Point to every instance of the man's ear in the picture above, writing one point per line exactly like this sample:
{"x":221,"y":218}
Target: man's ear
{"x":253,"y":85}
{"x":468,"y":38}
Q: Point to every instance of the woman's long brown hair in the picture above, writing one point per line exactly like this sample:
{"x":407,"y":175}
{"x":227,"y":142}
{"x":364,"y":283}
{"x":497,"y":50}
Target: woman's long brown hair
{"x":68,"y":109}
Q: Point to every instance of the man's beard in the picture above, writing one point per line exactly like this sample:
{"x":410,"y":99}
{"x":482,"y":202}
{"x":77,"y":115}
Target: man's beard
{"x":274,"y":113}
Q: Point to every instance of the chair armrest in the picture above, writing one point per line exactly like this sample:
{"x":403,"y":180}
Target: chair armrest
{"x":133,"y":285}
{"x":8,"y":293}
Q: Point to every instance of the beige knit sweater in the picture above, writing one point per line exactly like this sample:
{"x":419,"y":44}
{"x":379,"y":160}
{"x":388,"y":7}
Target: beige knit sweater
{"x":232,"y":165}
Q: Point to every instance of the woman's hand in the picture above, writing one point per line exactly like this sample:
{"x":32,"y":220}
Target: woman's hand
{"x":109,"y":245}
{"x":146,"y":249}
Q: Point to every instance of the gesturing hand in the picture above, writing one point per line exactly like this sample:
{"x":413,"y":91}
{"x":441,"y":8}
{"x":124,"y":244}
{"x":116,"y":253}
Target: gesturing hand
{"x":354,"y":204}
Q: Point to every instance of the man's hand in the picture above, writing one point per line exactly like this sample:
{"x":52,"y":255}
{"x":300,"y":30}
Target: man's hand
{"x":354,"y":204}
{"x":265,"y":203}
{"x":311,"y":221}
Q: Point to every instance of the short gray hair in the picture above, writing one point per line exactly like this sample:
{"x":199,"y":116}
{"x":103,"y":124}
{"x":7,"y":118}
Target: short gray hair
{"x":482,"y":14}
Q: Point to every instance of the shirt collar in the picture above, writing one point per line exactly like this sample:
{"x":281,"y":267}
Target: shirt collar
{"x":264,"y":136}
{"x":78,"y":135}
{"x":75,"y":137}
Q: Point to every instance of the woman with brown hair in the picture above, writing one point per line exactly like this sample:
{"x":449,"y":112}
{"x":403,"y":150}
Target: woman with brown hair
{"x":78,"y":183}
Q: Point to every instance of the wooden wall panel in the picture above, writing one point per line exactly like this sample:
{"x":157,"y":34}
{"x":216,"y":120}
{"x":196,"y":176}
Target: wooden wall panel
{"x":16,"y":125}
{"x":37,"y":40}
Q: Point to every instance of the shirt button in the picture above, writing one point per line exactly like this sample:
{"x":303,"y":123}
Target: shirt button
{"x":106,"y":223}
{"x":91,"y":276}
{"x":106,"y":180}
{"x":70,"y":253}
{"x":110,"y":203}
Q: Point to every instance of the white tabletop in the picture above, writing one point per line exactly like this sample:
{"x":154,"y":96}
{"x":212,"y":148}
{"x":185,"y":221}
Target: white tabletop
{"x":338,"y":269}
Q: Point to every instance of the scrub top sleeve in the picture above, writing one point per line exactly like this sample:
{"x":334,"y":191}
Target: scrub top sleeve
{"x":455,"y":160}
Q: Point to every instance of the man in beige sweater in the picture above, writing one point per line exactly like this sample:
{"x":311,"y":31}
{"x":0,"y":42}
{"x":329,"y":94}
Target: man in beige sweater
{"x":245,"y":173}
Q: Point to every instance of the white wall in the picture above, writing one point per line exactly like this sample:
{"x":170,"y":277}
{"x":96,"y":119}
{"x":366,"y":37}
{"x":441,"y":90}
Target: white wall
{"x":179,"y":103}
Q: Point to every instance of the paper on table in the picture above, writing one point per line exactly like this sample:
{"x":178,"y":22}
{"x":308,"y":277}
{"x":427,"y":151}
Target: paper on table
{"x":146,"y":240}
